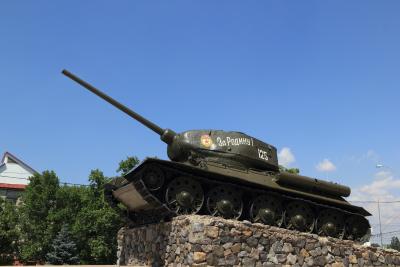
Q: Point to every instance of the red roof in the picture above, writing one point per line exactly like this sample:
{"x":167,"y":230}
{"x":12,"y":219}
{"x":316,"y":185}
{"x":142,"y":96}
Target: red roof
{"x":13,"y":186}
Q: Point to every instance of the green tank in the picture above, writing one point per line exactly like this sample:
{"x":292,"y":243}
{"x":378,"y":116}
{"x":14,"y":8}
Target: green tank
{"x":232,"y":175}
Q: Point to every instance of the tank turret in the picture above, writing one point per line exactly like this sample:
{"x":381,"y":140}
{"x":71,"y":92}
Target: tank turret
{"x":233,"y":175}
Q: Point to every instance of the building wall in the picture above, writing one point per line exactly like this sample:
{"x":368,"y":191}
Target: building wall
{"x":14,"y":176}
{"x":12,"y":173}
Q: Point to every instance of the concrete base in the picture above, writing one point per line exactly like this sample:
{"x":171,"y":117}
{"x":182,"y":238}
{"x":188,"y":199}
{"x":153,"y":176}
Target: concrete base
{"x":203,"y":240}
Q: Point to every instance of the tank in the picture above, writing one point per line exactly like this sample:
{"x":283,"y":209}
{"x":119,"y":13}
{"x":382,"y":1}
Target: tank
{"x":232,"y":175}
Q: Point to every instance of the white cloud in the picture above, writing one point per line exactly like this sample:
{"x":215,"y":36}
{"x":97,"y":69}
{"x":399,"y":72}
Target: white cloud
{"x":325,"y":166}
{"x":286,"y":157}
{"x":370,"y":156}
{"x":384,"y":188}
{"x":381,"y":188}
{"x":381,"y":185}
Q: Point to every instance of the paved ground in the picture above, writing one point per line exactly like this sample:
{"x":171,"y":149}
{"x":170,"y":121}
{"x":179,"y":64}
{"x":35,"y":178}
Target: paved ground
{"x":76,"y":265}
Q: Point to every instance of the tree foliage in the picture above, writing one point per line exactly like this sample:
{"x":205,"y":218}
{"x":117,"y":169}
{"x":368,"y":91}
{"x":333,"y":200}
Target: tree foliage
{"x":9,"y":232}
{"x":290,"y":170}
{"x":96,"y":224}
{"x":37,"y":216}
{"x":395,"y":243}
{"x":63,"y":249}
{"x":126,"y":165}
{"x":33,"y":230}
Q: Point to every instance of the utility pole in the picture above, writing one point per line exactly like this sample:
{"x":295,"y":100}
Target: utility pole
{"x":380,"y":224}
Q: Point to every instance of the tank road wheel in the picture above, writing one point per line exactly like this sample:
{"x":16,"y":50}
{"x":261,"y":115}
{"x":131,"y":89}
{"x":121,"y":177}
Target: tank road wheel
{"x":267,"y":209}
{"x":357,"y":228}
{"x":330,"y":223}
{"x":184,"y":195}
{"x":153,"y":177}
{"x":299,"y":216}
{"x":225,"y":201}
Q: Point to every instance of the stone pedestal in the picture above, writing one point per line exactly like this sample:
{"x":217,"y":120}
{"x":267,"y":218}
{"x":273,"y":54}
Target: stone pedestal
{"x":203,"y":240}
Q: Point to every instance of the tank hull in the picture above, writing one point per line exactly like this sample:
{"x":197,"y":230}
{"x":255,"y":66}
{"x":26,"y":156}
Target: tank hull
{"x":148,"y":206}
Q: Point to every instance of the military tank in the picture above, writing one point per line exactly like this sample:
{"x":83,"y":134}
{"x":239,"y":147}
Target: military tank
{"x":232,"y":175}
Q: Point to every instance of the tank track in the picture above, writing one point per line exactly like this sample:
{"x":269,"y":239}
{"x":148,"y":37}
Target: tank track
{"x":161,"y":212}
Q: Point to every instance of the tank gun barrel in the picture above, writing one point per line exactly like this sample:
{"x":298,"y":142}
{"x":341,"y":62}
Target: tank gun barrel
{"x":165,"y":134}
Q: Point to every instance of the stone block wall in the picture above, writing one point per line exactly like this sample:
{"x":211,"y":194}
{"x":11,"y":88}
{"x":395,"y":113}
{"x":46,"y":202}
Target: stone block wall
{"x":203,"y":240}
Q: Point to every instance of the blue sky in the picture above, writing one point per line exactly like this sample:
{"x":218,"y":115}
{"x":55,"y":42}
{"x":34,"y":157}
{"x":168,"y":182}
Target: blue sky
{"x":318,"y":79}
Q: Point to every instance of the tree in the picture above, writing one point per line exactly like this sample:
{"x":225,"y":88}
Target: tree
{"x":9,"y":232}
{"x":69,"y":201}
{"x":37,"y":224}
{"x":93,"y":223}
{"x":126,"y":165}
{"x":97,"y":224}
{"x":395,"y":243}
{"x":290,"y":170}
{"x":63,"y":249}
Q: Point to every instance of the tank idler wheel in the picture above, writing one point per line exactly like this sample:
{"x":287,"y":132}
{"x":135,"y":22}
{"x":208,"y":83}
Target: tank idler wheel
{"x":357,"y":228}
{"x":184,"y":195}
{"x":267,"y":209}
{"x":153,"y":178}
{"x":225,"y":201}
{"x":299,"y":216}
{"x":330,"y":223}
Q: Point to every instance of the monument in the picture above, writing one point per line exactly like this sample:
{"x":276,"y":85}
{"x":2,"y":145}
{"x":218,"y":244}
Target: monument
{"x":223,"y":200}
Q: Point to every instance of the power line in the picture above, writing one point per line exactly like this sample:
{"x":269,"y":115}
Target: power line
{"x":375,"y":202}
{"x":387,"y":233}
{"x":13,"y":177}
{"x":27,"y":179}
{"x":65,"y":183}
{"x":391,"y":224}
{"x":15,"y":172}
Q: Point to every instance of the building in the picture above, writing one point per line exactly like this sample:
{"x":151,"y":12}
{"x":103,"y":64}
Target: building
{"x":14,"y":176}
